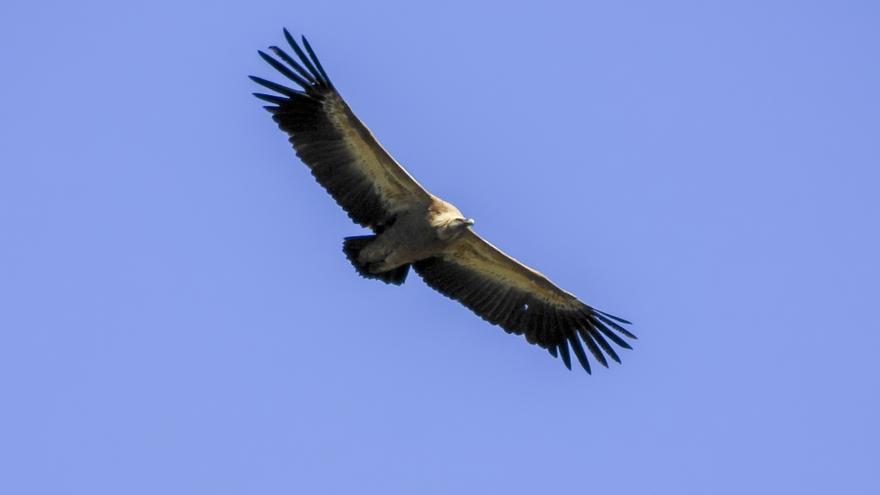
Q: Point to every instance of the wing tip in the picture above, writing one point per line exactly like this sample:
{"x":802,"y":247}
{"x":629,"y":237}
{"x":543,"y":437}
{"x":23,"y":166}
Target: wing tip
{"x":310,"y":61}
{"x":617,"y":318}
{"x":563,"y":352}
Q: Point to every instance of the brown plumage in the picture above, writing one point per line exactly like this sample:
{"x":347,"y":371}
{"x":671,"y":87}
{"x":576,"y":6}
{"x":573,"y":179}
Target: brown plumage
{"x":412,"y":227}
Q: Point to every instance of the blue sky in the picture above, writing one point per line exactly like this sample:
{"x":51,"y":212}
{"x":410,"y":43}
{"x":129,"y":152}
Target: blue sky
{"x":177,"y":315}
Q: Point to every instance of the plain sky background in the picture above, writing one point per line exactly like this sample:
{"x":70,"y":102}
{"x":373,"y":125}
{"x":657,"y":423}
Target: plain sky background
{"x":177,"y":315}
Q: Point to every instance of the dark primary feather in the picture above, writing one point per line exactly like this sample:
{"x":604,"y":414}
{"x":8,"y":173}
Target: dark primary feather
{"x":566,"y":357}
{"x":270,"y":98}
{"x":278,"y":88}
{"x":302,"y":56}
{"x":316,"y":61}
{"x":605,"y":318}
{"x":293,"y":63}
{"x":284,"y":70}
{"x":616,"y":318}
{"x":578,"y":349}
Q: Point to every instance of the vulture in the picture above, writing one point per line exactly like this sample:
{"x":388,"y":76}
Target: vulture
{"x":414,"y":228}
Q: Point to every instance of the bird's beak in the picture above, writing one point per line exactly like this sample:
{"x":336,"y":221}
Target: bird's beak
{"x":468,"y":221}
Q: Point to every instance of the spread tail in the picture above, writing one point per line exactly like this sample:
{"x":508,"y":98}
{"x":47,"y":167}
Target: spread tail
{"x":352,"y":246}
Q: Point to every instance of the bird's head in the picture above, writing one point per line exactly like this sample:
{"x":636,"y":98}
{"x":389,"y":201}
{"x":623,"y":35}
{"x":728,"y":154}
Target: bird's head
{"x":454,"y":228}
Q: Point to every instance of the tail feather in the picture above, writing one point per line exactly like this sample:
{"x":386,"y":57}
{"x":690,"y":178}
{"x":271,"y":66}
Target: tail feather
{"x":352,"y":246}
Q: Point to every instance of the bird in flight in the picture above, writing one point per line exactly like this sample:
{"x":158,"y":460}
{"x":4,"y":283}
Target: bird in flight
{"x":414,"y":228}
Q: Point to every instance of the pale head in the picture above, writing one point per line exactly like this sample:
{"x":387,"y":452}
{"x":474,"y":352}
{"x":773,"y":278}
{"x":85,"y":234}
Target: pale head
{"x":454,"y":228}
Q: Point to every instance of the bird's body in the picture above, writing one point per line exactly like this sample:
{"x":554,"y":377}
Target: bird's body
{"x":414,"y":228}
{"x":422,"y":230}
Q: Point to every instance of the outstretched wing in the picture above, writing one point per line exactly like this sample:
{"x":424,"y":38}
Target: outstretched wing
{"x":341,"y":152}
{"x":504,"y":292}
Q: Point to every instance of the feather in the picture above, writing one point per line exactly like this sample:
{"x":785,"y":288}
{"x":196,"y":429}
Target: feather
{"x":594,"y":322}
{"x":270,"y":98}
{"x":274,"y":86}
{"x":563,"y":351}
{"x":604,"y":344}
{"x":293,"y":63}
{"x":302,"y":56}
{"x":316,"y":61}
{"x":578,"y":350}
{"x":284,"y":70}
{"x":615,"y":326}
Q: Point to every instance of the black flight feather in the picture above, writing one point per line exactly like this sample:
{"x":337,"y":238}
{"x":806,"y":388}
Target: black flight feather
{"x":302,"y":56}
{"x":614,"y":325}
{"x":284,"y":70}
{"x":274,"y":86}
{"x":293,"y":63}
{"x":316,"y":61}
{"x":270,"y":98}
{"x":604,"y":344}
{"x":579,"y":351}
{"x":563,"y":351}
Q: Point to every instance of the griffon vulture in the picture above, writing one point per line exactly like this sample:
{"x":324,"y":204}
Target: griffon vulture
{"x":412,"y":227}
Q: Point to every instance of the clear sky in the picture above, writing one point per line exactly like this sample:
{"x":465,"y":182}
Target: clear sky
{"x":176,"y":314}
